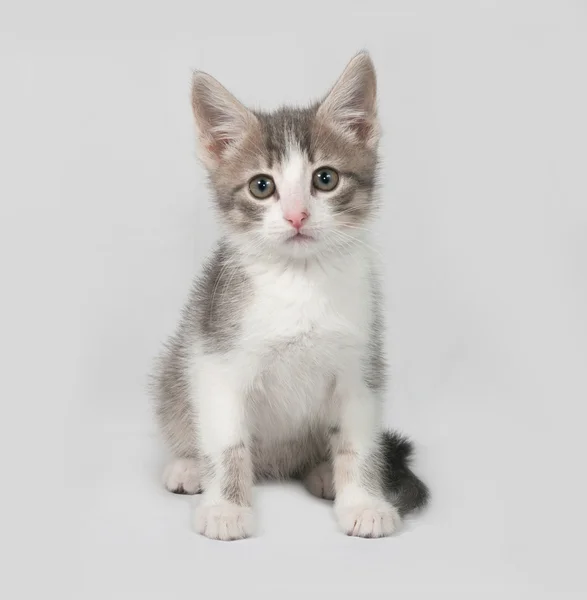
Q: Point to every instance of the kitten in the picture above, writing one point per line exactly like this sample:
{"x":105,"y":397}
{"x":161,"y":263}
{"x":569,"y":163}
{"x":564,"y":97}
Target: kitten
{"x":277,"y":369}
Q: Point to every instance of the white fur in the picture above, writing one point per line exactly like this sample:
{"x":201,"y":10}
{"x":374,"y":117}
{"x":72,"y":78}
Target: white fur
{"x":290,"y":180}
{"x":325,"y":316}
{"x":224,"y":521}
{"x":218,"y":382}
{"x":371,"y":518}
{"x":182,"y":474}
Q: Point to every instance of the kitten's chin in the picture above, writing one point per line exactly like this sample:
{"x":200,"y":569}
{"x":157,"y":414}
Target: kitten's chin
{"x":296,"y":247}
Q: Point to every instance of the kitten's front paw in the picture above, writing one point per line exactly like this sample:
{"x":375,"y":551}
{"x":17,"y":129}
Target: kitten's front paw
{"x":224,"y":521}
{"x":371,"y":519}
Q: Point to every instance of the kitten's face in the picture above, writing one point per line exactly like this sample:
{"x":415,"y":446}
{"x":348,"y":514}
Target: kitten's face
{"x":298,"y":182}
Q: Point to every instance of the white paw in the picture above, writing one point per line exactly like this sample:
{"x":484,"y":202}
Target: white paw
{"x":225,"y":521}
{"x":319,"y":481}
{"x":182,"y":476}
{"x":371,"y":519}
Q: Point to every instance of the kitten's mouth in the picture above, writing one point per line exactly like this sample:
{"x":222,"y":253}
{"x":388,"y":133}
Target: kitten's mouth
{"x":300,"y":237}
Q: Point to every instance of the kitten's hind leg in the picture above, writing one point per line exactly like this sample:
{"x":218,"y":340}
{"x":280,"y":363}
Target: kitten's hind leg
{"x":320,"y":481}
{"x":182,"y":476}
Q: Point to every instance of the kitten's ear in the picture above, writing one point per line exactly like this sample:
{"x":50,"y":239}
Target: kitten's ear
{"x":222,"y":121}
{"x":351,"y":105}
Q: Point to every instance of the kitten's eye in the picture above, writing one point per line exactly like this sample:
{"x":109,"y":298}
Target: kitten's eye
{"x":325,"y":179}
{"x":262,"y":186}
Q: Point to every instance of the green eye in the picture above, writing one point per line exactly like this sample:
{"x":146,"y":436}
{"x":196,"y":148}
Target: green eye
{"x":325,"y":179}
{"x":262,"y":186}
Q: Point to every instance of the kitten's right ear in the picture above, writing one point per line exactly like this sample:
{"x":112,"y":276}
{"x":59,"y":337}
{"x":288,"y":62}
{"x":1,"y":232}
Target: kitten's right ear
{"x":222,"y":121}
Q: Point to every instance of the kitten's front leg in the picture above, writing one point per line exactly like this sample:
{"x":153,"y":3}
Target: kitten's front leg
{"x":225,"y":510}
{"x":360,"y":505}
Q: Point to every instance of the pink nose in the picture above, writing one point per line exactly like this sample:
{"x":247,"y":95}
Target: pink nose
{"x":296,"y":219}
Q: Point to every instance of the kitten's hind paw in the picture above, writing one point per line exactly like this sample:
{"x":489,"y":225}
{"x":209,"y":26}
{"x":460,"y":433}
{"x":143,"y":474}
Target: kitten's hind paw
{"x":182,"y":476}
{"x":320,"y":481}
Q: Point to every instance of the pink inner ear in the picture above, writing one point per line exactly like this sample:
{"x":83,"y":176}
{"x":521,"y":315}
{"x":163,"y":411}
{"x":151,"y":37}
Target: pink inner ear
{"x":217,"y":147}
{"x":213,"y":148}
{"x":363,"y":128}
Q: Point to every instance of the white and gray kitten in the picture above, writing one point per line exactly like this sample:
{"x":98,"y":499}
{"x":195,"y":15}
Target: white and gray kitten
{"x":277,"y":368}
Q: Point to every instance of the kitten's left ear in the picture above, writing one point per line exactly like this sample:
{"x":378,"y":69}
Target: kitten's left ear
{"x":351,"y":105}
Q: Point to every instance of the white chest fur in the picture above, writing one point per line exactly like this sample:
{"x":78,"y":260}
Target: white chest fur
{"x":300,"y":328}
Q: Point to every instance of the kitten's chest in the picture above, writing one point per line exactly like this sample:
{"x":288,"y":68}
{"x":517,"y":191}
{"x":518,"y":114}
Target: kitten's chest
{"x":299,"y":330}
{"x":307,"y":312}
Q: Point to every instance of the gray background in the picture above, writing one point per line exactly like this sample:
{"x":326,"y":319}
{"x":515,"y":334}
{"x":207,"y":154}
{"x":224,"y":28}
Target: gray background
{"x":105,"y":219}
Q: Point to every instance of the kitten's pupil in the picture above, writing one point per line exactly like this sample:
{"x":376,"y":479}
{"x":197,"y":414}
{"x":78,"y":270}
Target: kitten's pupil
{"x":262,"y":184}
{"x":325,"y":177}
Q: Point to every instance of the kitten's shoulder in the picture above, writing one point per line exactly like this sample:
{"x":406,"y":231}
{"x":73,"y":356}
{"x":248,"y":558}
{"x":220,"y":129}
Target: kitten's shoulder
{"x":218,"y":297}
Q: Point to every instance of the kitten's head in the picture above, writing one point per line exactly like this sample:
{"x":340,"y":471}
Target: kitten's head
{"x":295,"y":182}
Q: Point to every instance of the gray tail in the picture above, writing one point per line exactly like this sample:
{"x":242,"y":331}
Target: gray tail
{"x":409,"y":493}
